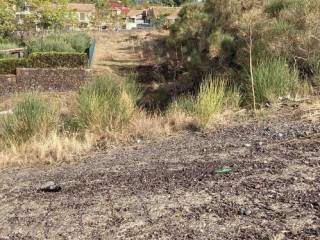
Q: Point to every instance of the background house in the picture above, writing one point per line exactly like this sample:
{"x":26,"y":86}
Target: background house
{"x":118,"y":9}
{"x":85,"y":13}
{"x":135,"y":18}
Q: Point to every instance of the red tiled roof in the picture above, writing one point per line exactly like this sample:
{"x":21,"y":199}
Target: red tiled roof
{"x":118,"y":6}
{"x":134,"y":12}
{"x":82,"y":7}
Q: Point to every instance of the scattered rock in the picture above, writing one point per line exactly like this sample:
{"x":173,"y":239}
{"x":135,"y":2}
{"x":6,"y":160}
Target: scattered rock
{"x":257,"y":186}
{"x":245,"y":212}
{"x":50,"y":187}
{"x":247,"y":145}
{"x":268,"y":105}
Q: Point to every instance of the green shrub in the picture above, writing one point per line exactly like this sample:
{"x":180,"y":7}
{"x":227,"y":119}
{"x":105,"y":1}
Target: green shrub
{"x":78,"y":41}
{"x":214,"y":38}
{"x":103,"y":104}
{"x":31,"y":116}
{"x":273,"y":79}
{"x":9,"y":65}
{"x":55,"y":59}
{"x":43,"y":60}
{"x":49,"y":45}
{"x":66,"y":42}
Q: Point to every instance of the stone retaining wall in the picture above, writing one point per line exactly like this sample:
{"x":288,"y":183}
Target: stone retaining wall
{"x":42,"y":79}
{"x":7,"y":84}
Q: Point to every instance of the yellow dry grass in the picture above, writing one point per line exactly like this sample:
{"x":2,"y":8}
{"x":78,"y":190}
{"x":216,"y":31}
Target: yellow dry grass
{"x":311,"y":111}
{"x":54,"y":148}
{"x":62,"y":100}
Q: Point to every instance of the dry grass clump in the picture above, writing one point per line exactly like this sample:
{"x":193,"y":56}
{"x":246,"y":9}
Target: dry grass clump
{"x":104,"y":111}
{"x":31,"y":134}
{"x":48,"y":149}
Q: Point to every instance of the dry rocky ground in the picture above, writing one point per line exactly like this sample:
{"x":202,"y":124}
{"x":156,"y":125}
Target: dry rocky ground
{"x":167,"y":189}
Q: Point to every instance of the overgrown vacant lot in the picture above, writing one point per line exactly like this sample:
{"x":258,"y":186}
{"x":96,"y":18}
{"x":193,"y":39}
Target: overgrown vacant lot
{"x":166,"y":189}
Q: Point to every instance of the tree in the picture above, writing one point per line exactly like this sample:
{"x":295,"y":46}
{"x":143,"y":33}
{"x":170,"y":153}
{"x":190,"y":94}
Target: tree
{"x":7,"y":18}
{"x":52,"y":14}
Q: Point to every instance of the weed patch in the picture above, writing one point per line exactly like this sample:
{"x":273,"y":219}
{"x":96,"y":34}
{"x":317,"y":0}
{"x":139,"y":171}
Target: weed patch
{"x":31,"y":116}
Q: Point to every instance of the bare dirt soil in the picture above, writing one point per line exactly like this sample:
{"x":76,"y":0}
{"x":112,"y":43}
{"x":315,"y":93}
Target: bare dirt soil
{"x":167,"y":189}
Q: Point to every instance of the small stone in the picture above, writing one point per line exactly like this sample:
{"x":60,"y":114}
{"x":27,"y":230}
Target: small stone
{"x":138,"y":141}
{"x":50,"y":187}
{"x":245,"y":212}
{"x":268,"y":104}
{"x":248,"y":212}
{"x":247,"y":145}
{"x":280,"y":135}
{"x":260,"y":143}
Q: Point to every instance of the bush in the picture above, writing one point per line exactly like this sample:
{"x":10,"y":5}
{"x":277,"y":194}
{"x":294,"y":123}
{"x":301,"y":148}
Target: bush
{"x":78,"y":41}
{"x":67,"y":42}
{"x":44,"y":60}
{"x":55,"y":59}
{"x":273,"y":79}
{"x":49,"y":45}
{"x":31,"y":116}
{"x":9,"y":65}
{"x":103,"y":104}
{"x":213,"y":38}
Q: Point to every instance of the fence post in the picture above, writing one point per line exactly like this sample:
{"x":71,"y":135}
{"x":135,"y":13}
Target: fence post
{"x":91,"y":52}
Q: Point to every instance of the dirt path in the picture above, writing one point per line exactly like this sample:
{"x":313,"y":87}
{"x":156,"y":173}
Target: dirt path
{"x":166,"y":189}
{"x":119,"y":49}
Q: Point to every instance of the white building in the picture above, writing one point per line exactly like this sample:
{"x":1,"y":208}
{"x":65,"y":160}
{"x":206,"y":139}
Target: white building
{"x":134,"y":18}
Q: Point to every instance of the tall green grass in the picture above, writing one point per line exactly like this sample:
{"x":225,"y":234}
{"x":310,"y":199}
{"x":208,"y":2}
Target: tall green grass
{"x":212,"y":97}
{"x":273,"y":78}
{"x":31,"y":116}
{"x":104,"y":104}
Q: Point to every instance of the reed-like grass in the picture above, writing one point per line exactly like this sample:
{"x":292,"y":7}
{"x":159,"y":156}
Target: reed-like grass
{"x":273,"y":78}
{"x":212,"y":97}
{"x":31,"y":116}
{"x":107,"y":104}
